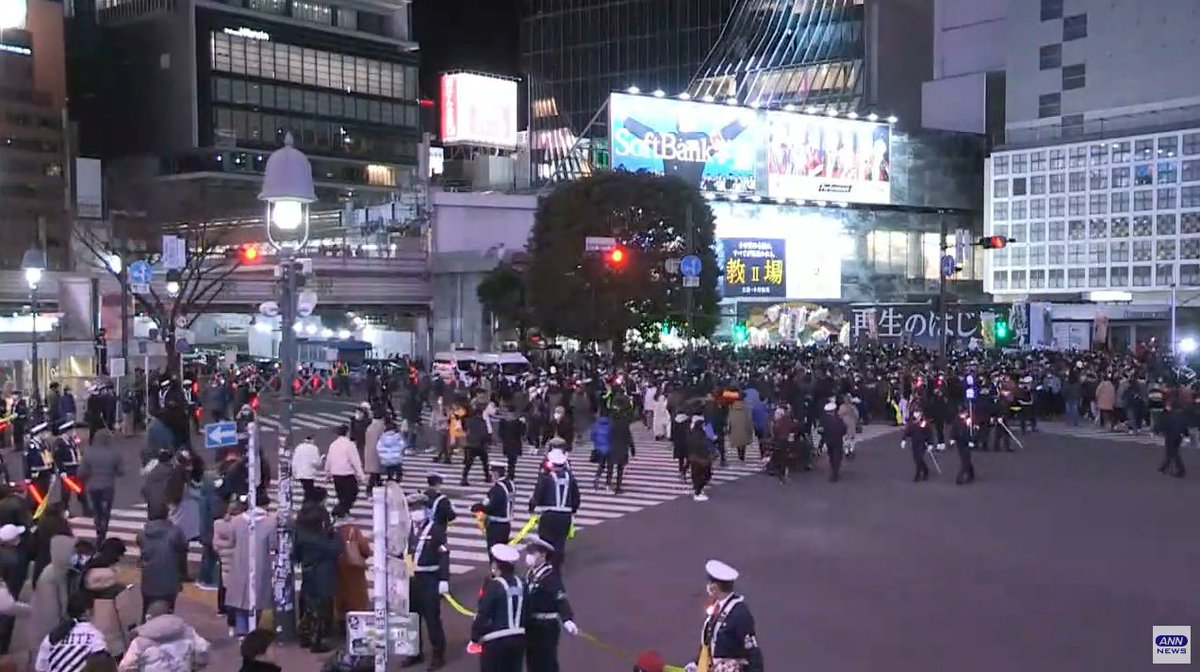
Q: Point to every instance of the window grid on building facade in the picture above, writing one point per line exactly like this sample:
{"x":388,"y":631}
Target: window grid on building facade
{"x":1116,"y":214}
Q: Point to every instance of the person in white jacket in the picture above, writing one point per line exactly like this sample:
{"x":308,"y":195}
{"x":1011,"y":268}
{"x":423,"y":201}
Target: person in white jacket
{"x":164,"y":643}
{"x":306,"y":462}
{"x":344,"y":465}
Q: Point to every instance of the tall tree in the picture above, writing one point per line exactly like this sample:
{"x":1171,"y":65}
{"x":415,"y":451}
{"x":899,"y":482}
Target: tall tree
{"x":654,"y":219}
{"x":502,"y":293}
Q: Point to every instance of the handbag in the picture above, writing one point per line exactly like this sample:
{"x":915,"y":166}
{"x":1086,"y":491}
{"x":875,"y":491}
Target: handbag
{"x":353,"y":555}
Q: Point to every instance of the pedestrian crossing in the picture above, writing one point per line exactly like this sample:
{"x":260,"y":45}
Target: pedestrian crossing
{"x":307,"y":421}
{"x":651,"y":478}
{"x":1090,"y":430}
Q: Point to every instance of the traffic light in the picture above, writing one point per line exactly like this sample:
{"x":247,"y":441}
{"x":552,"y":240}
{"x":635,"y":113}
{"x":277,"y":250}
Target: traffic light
{"x":249,"y":254}
{"x":994,"y":242}
{"x":615,"y":257}
{"x":1003,"y":332}
{"x":740,"y":333}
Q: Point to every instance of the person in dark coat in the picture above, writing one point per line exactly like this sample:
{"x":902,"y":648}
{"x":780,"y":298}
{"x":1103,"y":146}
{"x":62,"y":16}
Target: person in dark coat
{"x":165,"y":483}
{"x":475,"y":445}
{"x":52,"y":523}
{"x":833,"y":433}
{"x":318,"y":547}
{"x":561,"y":426}
{"x":620,"y":441}
{"x":512,"y":436}
{"x":681,"y":423}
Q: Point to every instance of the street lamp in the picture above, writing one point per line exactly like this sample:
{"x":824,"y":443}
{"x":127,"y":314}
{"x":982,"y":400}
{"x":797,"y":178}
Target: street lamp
{"x":34,"y":265}
{"x":287,"y":191}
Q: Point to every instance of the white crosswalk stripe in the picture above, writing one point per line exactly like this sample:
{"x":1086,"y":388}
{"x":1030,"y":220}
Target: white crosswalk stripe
{"x":1089,"y":430}
{"x":651,"y":478}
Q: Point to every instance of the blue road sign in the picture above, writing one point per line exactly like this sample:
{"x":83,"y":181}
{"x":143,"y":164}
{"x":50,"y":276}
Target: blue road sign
{"x":690,"y":266}
{"x":183,"y":347}
{"x":220,"y":434}
{"x":141,"y":272}
{"x":949,"y":265}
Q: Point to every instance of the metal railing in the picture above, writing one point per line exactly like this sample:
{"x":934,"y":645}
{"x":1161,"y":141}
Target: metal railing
{"x":1143,"y":122}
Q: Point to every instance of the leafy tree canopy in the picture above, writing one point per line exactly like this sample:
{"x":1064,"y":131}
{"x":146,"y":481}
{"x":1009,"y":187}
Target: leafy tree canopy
{"x":578,"y":295}
{"x":502,"y":292}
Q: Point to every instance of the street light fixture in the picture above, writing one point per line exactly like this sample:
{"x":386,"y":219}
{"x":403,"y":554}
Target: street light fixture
{"x":173,"y":288}
{"x":287,"y":191}
{"x":34,"y":265}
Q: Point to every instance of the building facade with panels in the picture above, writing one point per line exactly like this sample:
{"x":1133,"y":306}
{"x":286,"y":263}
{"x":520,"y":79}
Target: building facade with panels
{"x":1099,"y":177}
{"x":33,"y":138}
{"x":197,"y":93}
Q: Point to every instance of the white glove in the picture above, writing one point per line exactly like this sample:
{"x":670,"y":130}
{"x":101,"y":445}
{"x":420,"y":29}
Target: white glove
{"x":690,"y":667}
{"x":903,"y":445}
{"x":570,"y":627}
{"x":443,"y":587}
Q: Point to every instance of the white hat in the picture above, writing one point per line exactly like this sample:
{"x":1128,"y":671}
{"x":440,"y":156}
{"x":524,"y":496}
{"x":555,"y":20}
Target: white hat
{"x":719,"y":571}
{"x":10,"y":533}
{"x":556,"y":457}
{"x":505,"y":553}
{"x":831,"y":406}
{"x":537,"y":542}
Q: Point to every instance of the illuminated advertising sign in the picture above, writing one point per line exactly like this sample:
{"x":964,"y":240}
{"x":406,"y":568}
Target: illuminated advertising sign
{"x":479,"y":110}
{"x":753,"y":268}
{"x":741,"y":151}
{"x":713,"y":147}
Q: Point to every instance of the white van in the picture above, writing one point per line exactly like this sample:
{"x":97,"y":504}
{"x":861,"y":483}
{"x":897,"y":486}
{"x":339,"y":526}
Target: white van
{"x":510,"y":363}
{"x":452,"y":365}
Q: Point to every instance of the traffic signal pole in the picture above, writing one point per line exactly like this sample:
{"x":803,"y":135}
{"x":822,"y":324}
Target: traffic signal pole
{"x":687,"y":291}
{"x":943,"y":314}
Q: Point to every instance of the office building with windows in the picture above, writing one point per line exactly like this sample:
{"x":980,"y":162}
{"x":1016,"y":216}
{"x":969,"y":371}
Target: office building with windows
{"x":1098,"y":179}
{"x":198,"y":92}
{"x":32,"y":138}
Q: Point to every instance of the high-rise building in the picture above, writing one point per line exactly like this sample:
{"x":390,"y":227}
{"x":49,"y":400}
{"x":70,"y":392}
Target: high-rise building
{"x":1098,"y":180}
{"x":195,"y":94}
{"x":32,"y":138}
{"x":967,"y":90}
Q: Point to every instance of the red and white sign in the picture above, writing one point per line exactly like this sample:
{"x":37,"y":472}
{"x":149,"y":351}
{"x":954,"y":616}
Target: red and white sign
{"x":479,"y":110}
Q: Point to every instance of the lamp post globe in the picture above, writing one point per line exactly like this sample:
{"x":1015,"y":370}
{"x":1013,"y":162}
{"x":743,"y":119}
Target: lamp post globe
{"x":287,"y":191}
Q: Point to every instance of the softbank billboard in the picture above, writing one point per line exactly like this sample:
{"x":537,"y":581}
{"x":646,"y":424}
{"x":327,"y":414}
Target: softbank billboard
{"x":742,"y":151}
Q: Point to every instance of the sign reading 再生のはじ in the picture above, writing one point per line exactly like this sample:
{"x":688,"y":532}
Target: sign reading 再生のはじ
{"x":753,"y":268}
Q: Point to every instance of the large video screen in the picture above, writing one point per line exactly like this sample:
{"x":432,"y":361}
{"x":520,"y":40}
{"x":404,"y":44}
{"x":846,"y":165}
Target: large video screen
{"x":741,"y":151}
{"x":772,"y":252}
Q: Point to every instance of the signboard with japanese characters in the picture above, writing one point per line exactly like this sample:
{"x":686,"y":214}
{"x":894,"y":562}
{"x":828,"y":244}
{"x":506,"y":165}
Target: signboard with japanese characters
{"x":922,"y":324}
{"x":753,"y":268}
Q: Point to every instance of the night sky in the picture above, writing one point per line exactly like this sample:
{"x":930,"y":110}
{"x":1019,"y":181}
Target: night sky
{"x":476,"y":35}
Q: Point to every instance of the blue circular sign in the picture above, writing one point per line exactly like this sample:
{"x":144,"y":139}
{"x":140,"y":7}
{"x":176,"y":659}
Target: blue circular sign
{"x":690,"y":266}
{"x":949,"y":265}
{"x":141,"y":272}
{"x":183,"y":346}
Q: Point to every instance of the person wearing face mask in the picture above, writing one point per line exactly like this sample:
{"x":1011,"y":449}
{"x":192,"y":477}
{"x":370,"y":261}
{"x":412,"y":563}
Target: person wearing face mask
{"x":555,"y":499}
{"x":431,"y":513}
{"x":497,"y":508}
{"x":728,"y":641}
{"x":918,"y":437}
{"x":561,"y":427}
{"x":499,"y":626}
{"x":547,"y":606}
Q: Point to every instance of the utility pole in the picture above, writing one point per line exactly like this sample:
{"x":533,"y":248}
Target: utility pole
{"x":691,"y":249}
{"x":943,"y":275}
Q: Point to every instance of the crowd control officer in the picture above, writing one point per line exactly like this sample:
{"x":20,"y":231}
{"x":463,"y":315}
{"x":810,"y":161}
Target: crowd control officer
{"x":497,"y":508}
{"x":918,"y":436}
{"x":39,"y":458}
{"x":430,"y":558}
{"x":728,"y":640}
{"x":963,"y":437}
{"x":548,"y":607}
{"x":499,"y":625}
{"x":67,"y":460}
{"x":555,"y":500}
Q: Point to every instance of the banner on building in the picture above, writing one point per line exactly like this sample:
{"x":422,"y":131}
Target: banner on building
{"x":753,"y":268}
{"x":922,"y":324}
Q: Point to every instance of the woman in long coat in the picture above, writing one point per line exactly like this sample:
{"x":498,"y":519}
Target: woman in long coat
{"x":371,"y":463}
{"x":741,"y":427}
{"x":237,"y":591}
{"x":660,"y":417}
{"x":351,"y":580}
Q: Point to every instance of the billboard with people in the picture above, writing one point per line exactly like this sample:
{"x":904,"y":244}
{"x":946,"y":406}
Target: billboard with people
{"x":740,"y":151}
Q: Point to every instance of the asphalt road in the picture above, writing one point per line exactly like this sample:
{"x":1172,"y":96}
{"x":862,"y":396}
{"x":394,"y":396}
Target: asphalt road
{"x":1059,"y":557}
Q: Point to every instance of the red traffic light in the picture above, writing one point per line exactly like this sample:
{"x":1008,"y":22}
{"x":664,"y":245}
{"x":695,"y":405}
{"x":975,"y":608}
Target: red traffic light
{"x":249,"y":254}
{"x":616,"y":256}
{"x":993,"y":242}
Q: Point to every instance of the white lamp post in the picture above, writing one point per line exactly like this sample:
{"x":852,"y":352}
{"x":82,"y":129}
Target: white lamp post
{"x":34,"y":265}
{"x":287,"y":190}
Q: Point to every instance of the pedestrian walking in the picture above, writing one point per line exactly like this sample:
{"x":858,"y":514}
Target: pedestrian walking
{"x":73,"y":642}
{"x":101,"y":467}
{"x":306,"y":462}
{"x":343,"y":465}
{"x":165,"y":643}
{"x":163,"y":548}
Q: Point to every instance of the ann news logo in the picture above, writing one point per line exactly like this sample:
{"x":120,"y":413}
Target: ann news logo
{"x":1172,"y":645}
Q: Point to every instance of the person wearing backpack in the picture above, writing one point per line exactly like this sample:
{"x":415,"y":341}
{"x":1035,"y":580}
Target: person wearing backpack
{"x":351,"y":592}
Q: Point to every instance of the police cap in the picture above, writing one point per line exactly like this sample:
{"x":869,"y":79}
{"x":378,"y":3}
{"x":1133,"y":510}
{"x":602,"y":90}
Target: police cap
{"x":720,"y":572}
{"x":505,"y":553}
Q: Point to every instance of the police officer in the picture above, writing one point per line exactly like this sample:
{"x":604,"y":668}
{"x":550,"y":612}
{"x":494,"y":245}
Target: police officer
{"x":1023,"y":405}
{"x":728,"y":639}
{"x":833,"y":435}
{"x":555,"y":500}
{"x":499,"y":625}
{"x":547,"y":606}
{"x":497,"y":508}
{"x":918,"y":436}
{"x":963,"y":438}
{"x":39,"y":458}
{"x":191,"y":405}
{"x":431,"y":567}
{"x":67,"y":459}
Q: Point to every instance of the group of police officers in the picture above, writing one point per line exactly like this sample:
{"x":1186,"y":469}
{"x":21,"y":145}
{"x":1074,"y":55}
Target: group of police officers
{"x":519,"y":620}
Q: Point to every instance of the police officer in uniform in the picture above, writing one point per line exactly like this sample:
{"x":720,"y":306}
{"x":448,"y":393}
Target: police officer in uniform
{"x":547,"y":606}
{"x":39,"y":458}
{"x":499,"y":625}
{"x":191,"y":405}
{"x":497,"y":508}
{"x":555,"y":500}
{"x":728,"y":639}
{"x":917,"y":434}
{"x":963,"y":437}
{"x":430,"y":567}
{"x":67,"y":459}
